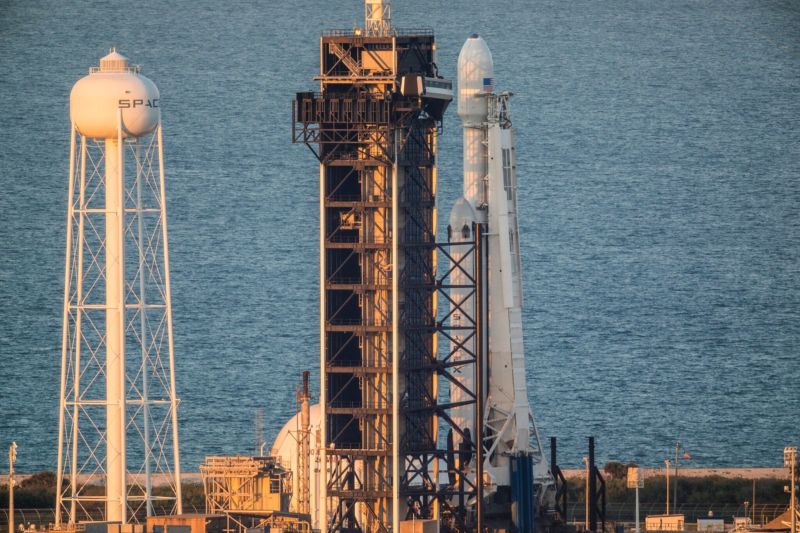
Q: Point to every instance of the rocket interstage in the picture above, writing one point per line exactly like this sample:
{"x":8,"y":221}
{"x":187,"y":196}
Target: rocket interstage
{"x":489,"y":199}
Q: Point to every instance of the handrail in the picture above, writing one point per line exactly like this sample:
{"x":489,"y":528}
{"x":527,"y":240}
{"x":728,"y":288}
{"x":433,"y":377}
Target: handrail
{"x":394,"y":32}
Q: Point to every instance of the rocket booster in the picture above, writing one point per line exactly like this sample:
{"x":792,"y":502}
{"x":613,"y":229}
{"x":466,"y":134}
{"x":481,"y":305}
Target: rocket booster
{"x":490,"y":199}
{"x":474,"y":66}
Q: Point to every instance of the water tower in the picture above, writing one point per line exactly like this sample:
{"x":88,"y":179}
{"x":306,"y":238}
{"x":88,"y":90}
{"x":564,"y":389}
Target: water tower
{"x":117,"y":417}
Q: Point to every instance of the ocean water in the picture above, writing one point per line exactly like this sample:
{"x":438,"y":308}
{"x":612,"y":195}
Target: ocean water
{"x":659,"y":167}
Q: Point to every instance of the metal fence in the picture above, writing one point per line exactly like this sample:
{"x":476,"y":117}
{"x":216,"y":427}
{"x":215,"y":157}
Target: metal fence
{"x":626,"y":512}
{"x":576,"y":513}
{"x":43,"y":518}
{"x":38,"y":517}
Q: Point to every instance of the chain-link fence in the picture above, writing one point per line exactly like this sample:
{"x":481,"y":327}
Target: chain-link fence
{"x":40,"y":518}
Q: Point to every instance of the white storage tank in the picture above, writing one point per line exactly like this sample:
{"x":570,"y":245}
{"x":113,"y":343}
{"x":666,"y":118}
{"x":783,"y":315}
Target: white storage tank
{"x":113,"y":91}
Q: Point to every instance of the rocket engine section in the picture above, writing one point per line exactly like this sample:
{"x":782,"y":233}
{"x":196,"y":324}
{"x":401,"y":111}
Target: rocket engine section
{"x":489,"y":199}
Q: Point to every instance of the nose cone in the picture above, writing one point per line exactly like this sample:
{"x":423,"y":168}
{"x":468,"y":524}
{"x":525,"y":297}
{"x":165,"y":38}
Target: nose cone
{"x":461,"y":218}
{"x":475,"y":73}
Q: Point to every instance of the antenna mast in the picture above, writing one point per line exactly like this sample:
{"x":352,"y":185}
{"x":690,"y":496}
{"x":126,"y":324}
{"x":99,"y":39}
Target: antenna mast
{"x":378,"y":17}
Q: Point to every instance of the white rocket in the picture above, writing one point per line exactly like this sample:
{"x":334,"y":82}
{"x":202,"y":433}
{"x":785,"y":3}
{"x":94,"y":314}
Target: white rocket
{"x":490,"y":199}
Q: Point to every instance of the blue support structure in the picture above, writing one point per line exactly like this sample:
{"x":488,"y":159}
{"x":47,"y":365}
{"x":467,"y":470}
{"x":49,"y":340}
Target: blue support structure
{"x":523,"y":506}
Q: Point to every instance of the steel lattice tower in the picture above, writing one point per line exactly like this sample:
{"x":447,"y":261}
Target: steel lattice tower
{"x":118,"y":406}
{"x":373,"y":127}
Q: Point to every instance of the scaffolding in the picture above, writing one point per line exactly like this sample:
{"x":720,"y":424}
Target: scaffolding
{"x":463,"y":328}
{"x":245,"y":484}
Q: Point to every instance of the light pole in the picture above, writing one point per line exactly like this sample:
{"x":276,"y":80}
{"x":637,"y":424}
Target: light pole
{"x":12,"y":457}
{"x":790,"y":460}
{"x":666,"y":462}
{"x":635,"y":480}
{"x":675,"y":483}
{"x":586,"y":521}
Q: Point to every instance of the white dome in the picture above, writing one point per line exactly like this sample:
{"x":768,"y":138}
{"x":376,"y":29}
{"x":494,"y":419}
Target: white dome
{"x":474,"y":67}
{"x":462,"y":214}
{"x":97,"y":100}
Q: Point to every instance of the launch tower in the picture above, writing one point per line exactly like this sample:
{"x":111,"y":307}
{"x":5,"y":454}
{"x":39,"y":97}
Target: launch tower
{"x":373,"y":126}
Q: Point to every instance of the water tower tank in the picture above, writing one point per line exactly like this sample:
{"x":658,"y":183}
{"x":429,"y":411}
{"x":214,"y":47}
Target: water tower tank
{"x":115,"y":87}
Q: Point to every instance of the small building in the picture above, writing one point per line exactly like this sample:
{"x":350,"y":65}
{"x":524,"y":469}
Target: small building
{"x":245,"y":484}
{"x":110,"y":527}
{"x":419,"y":526}
{"x":710,"y":525}
{"x":231,"y":522}
{"x":186,"y":523}
{"x":664,"y":522}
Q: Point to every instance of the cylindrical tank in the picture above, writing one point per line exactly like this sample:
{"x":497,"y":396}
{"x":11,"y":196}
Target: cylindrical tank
{"x":97,"y":100}
{"x":475,"y":72}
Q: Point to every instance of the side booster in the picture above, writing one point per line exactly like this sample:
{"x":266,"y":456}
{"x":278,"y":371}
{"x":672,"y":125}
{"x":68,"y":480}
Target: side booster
{"x":489,"y":199}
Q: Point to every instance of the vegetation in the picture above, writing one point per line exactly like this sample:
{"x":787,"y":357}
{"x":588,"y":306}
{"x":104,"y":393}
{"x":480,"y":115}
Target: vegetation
{"x":36,"y":492}
{"x":700,"y":490}
{"x":193,"y":497}
{"x":39,"y":492}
